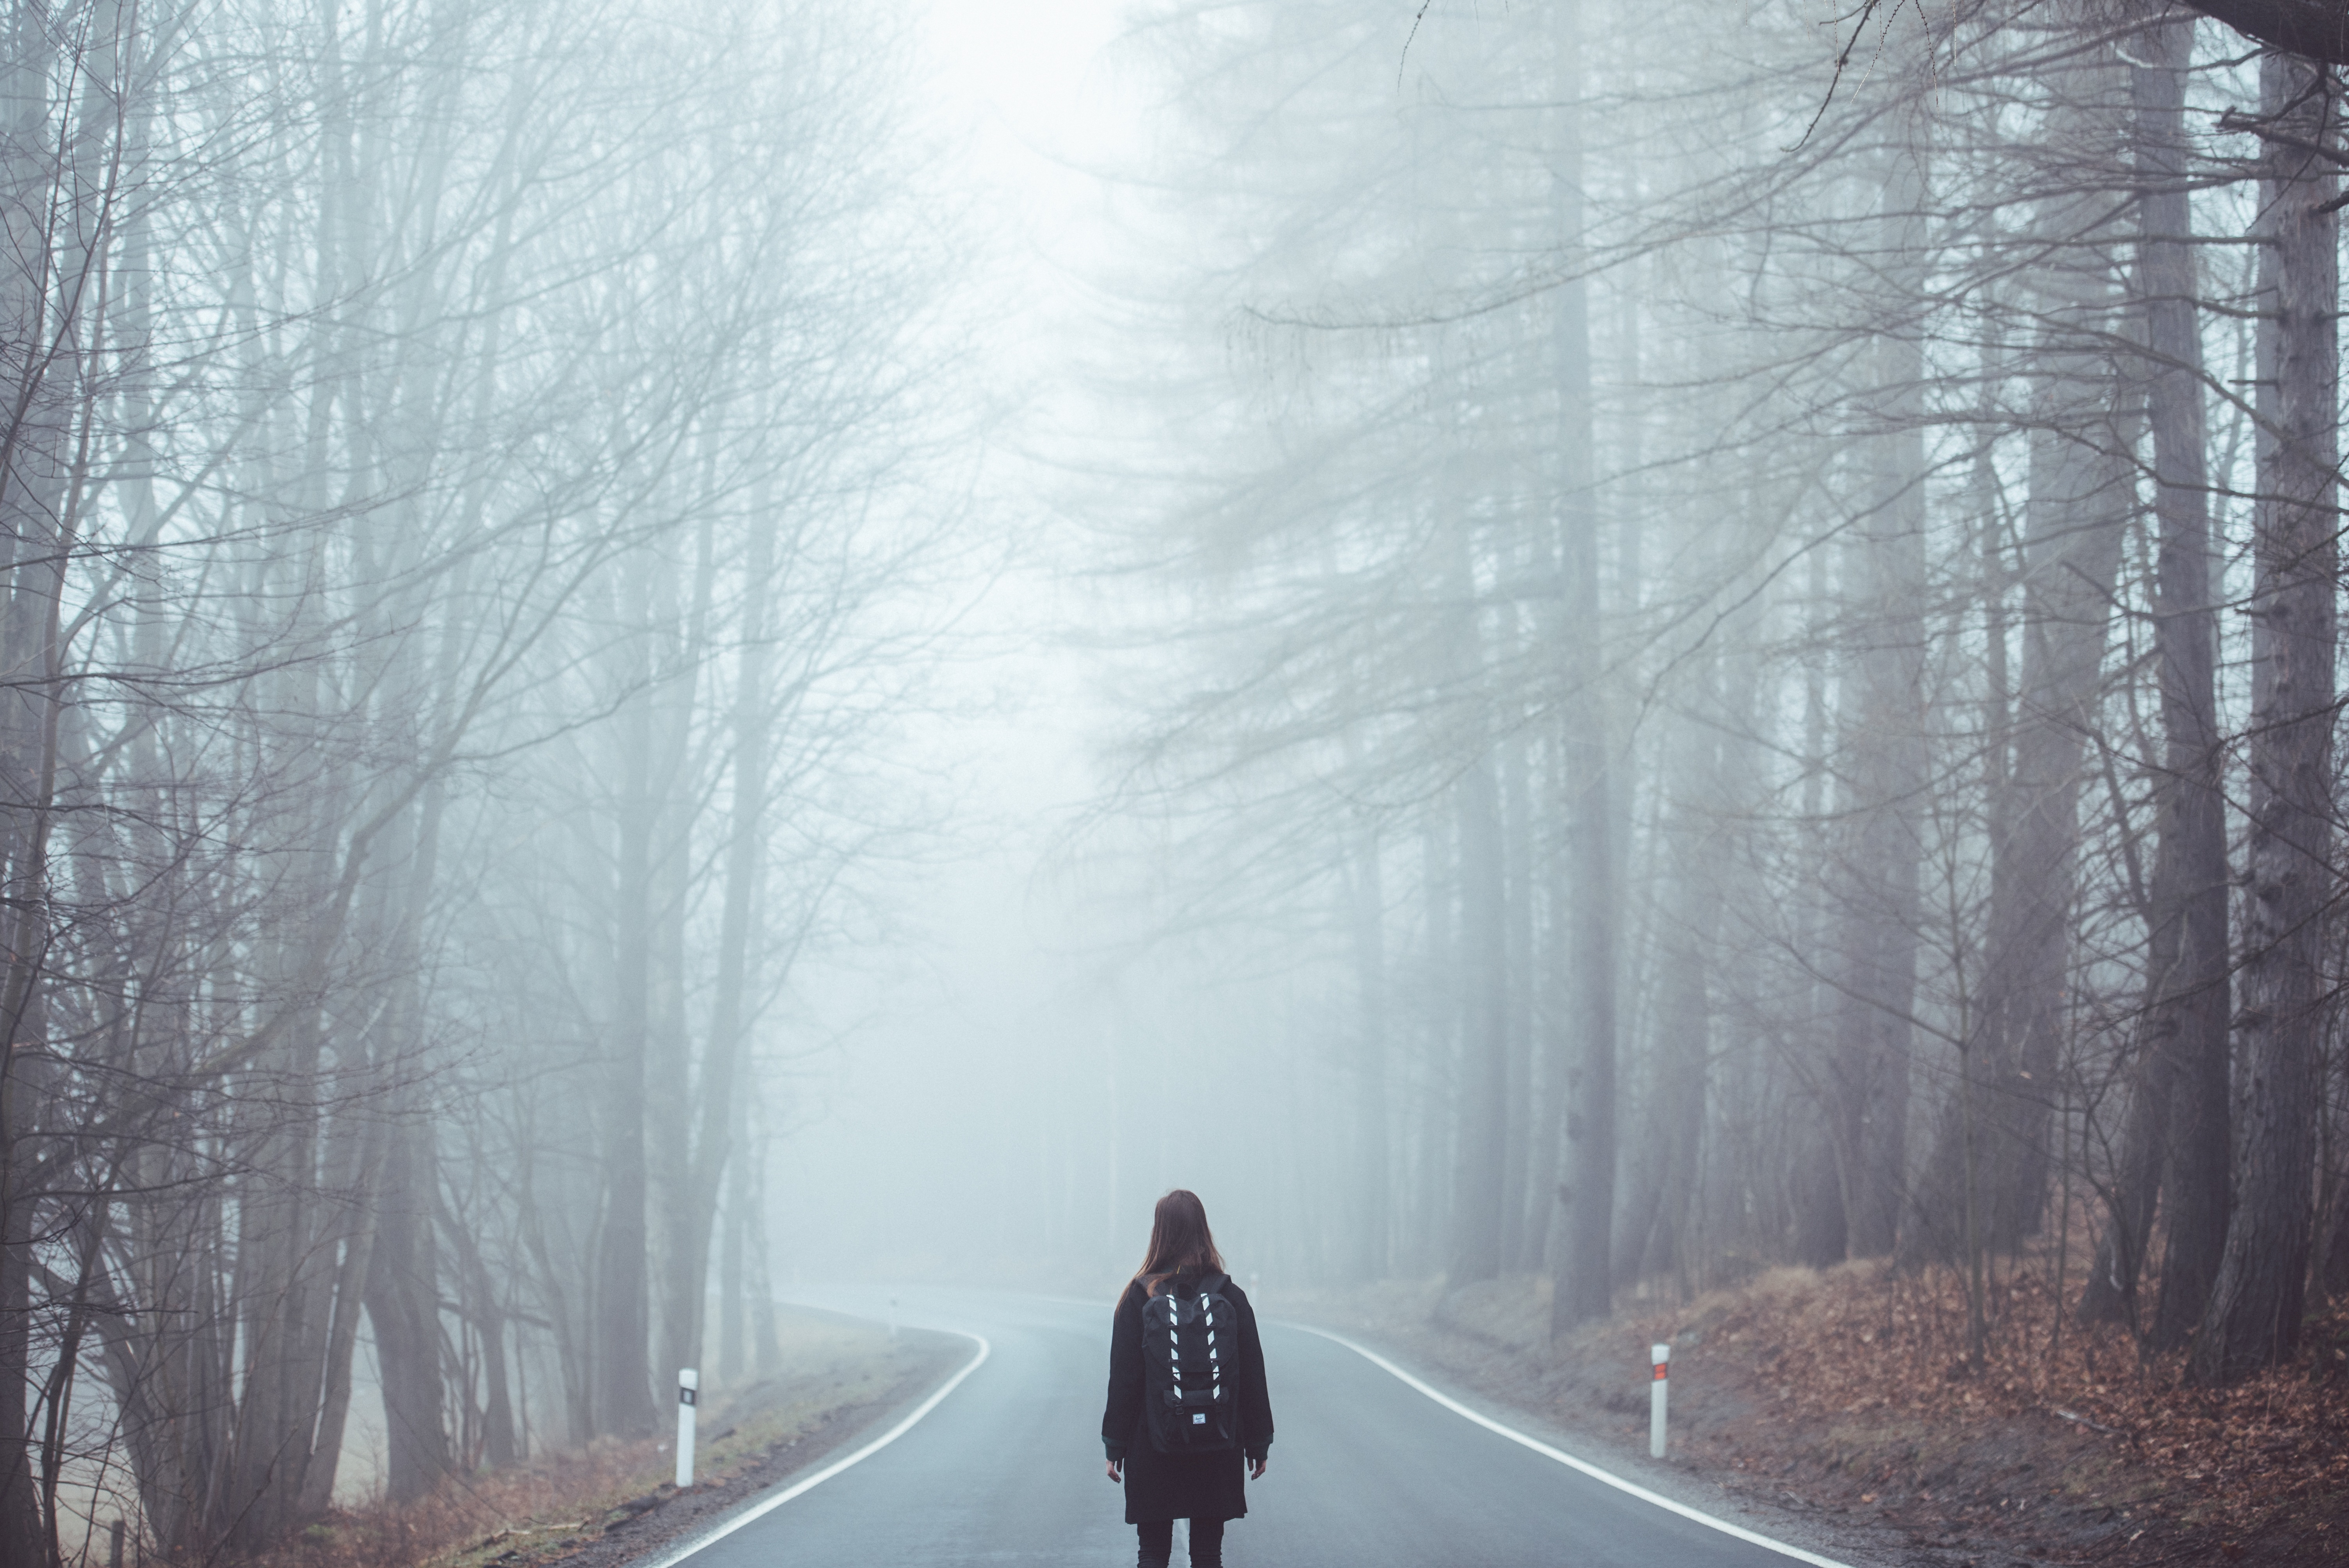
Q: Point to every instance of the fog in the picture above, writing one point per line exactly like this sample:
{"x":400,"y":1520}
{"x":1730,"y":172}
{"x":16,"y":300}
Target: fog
{"x":1000,"y":1093}
{"x":663,"y":656}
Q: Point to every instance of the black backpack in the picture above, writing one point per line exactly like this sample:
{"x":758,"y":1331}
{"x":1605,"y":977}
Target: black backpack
{"x":1189,"y":1343}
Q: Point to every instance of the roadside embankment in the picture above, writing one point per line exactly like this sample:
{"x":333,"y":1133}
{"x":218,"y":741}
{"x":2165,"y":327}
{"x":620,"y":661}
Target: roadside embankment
{"x":612,"y":1502}
{"x":1845,"y":1398}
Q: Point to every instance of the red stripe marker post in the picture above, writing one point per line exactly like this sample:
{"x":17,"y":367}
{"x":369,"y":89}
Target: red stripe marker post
{"x":1660,"y":1357}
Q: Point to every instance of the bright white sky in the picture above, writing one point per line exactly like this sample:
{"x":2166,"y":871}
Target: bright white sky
{"x":1026,"y":58}
{"x":1027,"y":80}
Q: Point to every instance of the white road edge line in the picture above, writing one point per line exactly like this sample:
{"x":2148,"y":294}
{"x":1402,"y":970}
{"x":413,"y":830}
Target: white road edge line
{"x":1567,"y":1460}
{"x":765,"y":1506}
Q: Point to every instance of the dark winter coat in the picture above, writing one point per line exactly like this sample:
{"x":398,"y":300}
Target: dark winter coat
{"x":1182,"y":1486}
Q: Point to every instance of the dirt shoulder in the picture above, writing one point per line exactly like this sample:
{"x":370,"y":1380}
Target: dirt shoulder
{"x":614,"y":1503}
{"x":791,"y":1430}
{"x":1835,"y":1411}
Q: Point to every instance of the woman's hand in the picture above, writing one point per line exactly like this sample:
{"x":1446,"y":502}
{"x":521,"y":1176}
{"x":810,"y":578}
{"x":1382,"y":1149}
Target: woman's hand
{"x":1115,"y":1476}
{"x":1256,"y":1470}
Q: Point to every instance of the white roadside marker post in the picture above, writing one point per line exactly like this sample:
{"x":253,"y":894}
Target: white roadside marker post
{"x":1661,"y":1357}
{"x":688,"y":1385}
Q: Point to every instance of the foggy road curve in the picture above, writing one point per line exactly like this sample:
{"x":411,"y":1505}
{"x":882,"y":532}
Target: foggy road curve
{"x":1371,"y":1469}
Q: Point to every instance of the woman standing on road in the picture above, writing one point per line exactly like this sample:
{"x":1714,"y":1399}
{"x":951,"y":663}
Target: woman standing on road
{"x":1177,"y":1445}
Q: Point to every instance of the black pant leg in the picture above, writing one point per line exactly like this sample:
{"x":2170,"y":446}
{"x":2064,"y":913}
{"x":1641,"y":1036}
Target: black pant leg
{"x":1157,"y":1542}
{"x":1206,"y":1544}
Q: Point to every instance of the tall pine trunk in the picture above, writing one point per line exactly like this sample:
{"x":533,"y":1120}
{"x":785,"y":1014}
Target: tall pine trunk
{"x":32,"y":456}
{"x":1656,"y":1218}
{"x":620,"y":1350}
{"x":2081,"y":496}
{"x":1873,"y":1034}
{"x":1579,"y":1260}
{"x":1480,"y":1138}
{"x":1366,"y":903}
{"x":2253,"y":1317}
{"x":738,"y":935}
{"x":2178,"y":1109}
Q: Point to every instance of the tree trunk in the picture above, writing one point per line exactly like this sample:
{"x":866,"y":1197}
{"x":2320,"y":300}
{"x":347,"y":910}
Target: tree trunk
{"x":1481,"y":1136}
{"x":1657,"y":1222}
{"x":356,"y":1266}
{"x":1581,"y":1266}
{"x":2311,"y":29}
{"x":485,"y":1309}
{"x":31,"y":464}
{"x":403,"y":1293}
{"x":738,"y":932}
{"x":1518,"y":1097}
{"x":733,"y":1261}
{"x":621,"y":1348}
{"x":403,"y":1301}
{"x":689,"y":1150}
{"x":2179,"y":1102}
{"x":1876,"y":873}
{"x":1366,"y":900}
{"x":22,"y":1537}
{"x":766,"y":1340}
{"x":1430,"y":1241}
{"x":2081,"y":496}
{"x":2253,"y":1317}
{"x":1545,"y":1213}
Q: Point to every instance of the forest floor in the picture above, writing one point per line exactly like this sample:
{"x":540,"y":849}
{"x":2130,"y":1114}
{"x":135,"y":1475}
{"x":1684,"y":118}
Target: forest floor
{"x":613,"y":1501}
{"x":1843,"y":1400}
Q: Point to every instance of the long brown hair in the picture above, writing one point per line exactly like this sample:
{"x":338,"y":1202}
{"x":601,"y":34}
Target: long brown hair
{"x":1179,"y":1239}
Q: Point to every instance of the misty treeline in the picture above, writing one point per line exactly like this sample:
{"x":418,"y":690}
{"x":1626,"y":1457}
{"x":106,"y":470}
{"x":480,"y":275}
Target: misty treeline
{"x":467,"y":491}
{"x":1764,"y":581}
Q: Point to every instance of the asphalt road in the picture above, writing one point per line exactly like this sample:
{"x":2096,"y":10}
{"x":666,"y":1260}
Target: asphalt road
{"x":1366,"y":1472}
